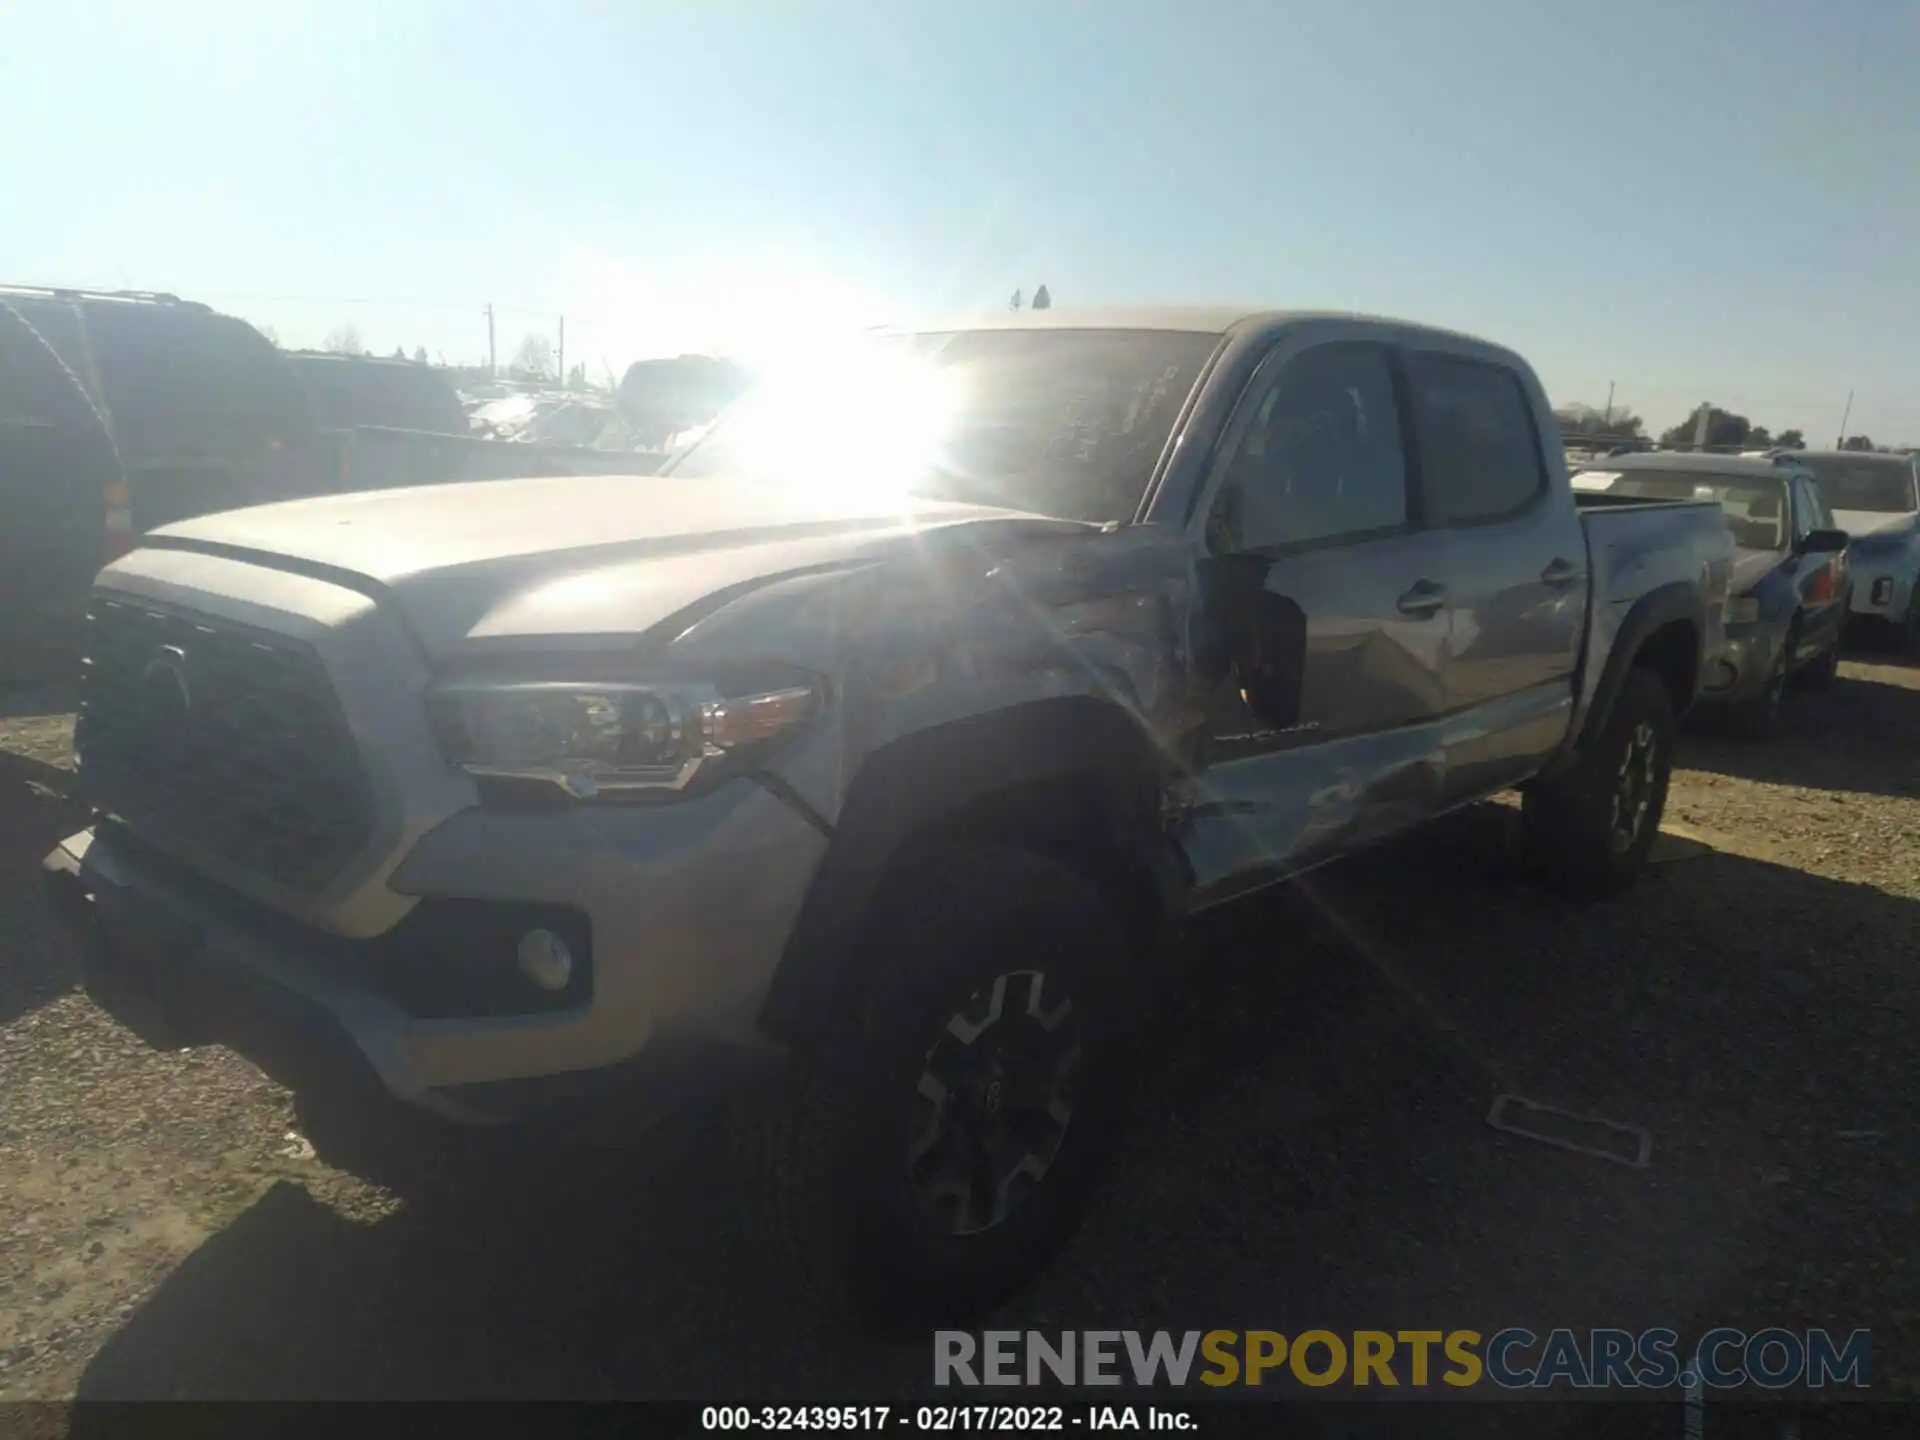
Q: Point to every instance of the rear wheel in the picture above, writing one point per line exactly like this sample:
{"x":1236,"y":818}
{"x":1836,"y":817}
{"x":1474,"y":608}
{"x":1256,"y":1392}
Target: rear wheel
{"x":944,"y":1133}
{"x":1589,"y":829}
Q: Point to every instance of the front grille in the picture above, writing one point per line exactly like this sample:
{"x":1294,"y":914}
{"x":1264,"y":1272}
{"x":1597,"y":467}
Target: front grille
{"x":225,"y":738}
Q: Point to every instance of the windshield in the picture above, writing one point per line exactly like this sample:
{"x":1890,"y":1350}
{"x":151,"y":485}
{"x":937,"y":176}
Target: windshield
{"x":1755,"y":505}
{"x":1066,"y":423}
{"x":1882,"y":485}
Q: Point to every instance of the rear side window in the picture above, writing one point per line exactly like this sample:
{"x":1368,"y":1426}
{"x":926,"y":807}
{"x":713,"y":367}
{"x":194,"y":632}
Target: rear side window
{"x":400,"y":395}
{"x":1479,"y":452}
{"x":1320,"y":459}
{"x":182,"y":382}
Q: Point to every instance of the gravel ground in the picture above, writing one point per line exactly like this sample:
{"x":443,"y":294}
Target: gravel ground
{"x":1310,"y":1149}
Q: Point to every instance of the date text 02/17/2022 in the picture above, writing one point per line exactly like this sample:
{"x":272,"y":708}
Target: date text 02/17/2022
{"x":939,"y":1419}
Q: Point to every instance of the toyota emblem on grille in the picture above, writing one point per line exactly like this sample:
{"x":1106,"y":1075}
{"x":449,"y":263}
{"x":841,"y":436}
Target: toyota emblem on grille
{"x":163,"y":685}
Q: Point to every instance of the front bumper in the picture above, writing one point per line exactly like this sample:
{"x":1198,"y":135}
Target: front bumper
{"x":682,"y":957}
{"x":1740,"y":670}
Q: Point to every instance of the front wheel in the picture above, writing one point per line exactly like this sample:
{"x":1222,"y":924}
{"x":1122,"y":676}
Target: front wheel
{"x":1906,"y":634}
{"x":1590,"y":828}
{"x":1758,"y":717}
{"x":1818,"y":677}
{"x":942,"y":1135}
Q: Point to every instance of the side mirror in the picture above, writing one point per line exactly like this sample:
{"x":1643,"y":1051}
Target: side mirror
{"x":1826,"y":542}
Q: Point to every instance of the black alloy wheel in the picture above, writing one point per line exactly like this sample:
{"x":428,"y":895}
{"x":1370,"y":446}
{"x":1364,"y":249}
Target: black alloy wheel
{"x":994,"y":1102}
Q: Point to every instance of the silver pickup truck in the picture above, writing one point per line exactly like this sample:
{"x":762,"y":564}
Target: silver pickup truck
{"x":878,"y":746}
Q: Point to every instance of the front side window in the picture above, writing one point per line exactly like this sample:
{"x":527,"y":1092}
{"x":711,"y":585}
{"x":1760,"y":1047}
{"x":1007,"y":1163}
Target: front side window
{"x":1319,"y":459}
{"x":1805,"y":518}
{"x":1823,"y":512}
{"x":1479,"y":453}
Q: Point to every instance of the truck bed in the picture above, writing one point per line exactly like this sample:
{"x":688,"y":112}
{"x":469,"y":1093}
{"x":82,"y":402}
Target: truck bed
{"x":1637,"y":546}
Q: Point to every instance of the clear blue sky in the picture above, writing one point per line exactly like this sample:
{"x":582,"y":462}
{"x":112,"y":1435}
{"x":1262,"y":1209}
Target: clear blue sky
{"x":1712,"y":200}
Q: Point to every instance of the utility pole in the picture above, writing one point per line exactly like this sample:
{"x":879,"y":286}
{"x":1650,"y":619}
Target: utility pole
{"x":1606,"y":423}
{"x":493,"y":366}
{"x":1845,"y":416}
{"x":561,"y":364}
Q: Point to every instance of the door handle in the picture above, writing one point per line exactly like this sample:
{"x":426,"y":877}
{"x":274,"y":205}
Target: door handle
{"x":1423,"y":600}
{"x":1559,"y":574}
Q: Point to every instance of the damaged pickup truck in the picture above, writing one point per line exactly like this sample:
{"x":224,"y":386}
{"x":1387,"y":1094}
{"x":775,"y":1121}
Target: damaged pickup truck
{"x":878,"y":746}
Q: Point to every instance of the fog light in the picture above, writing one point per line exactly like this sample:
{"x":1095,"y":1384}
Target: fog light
{"x":545,"y":959}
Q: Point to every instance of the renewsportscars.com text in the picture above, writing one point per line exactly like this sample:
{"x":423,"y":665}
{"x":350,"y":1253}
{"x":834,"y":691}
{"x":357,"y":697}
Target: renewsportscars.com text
{"x":1509,"y":1359}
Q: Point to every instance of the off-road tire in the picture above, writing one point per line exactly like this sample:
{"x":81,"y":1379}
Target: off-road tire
{"x":827,"y":1159}
{"x":1570,"y":820}
{"x":1818,"y":678}
{"x":1904,"y":634}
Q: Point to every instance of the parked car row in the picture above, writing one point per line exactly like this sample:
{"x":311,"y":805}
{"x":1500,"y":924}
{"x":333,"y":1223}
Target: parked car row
{"x":1825,"y":539}
{"x":857,"y":770}
{"x":122,"y":412}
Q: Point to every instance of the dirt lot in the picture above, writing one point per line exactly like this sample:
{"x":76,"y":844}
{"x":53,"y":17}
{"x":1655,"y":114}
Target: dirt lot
{"x":1311,"y":1147}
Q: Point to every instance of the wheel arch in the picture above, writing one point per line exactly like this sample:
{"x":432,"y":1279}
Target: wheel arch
{"x":1075,"y":778}
{"x":1665,"y":633}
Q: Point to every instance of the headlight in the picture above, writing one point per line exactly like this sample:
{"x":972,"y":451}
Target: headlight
{"x":592,"y":737}
{"x":1742,"y":610}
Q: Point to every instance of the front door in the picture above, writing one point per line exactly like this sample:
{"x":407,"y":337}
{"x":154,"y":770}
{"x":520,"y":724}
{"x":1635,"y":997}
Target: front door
{"x":1332,"y":608}
{"x":1820,"y":578}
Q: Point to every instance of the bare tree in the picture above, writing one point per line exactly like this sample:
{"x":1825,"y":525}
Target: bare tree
{"x":344,"y":340}
{"x":272,"y":335}
{"x":534,"y":358}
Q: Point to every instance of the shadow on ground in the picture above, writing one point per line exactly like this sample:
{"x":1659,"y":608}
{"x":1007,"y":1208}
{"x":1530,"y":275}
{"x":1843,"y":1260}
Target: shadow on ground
{"x":36,"y":963}
{"x":1310,"y":1150}
{"x":1863,"y":736}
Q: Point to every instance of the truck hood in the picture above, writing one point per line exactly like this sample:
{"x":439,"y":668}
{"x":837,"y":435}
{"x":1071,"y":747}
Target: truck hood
{"x":603,"y":555}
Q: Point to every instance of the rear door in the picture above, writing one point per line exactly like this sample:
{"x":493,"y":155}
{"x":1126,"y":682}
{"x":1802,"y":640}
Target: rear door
{"x":1328,"y":599}
{"x":1515,"y":567}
